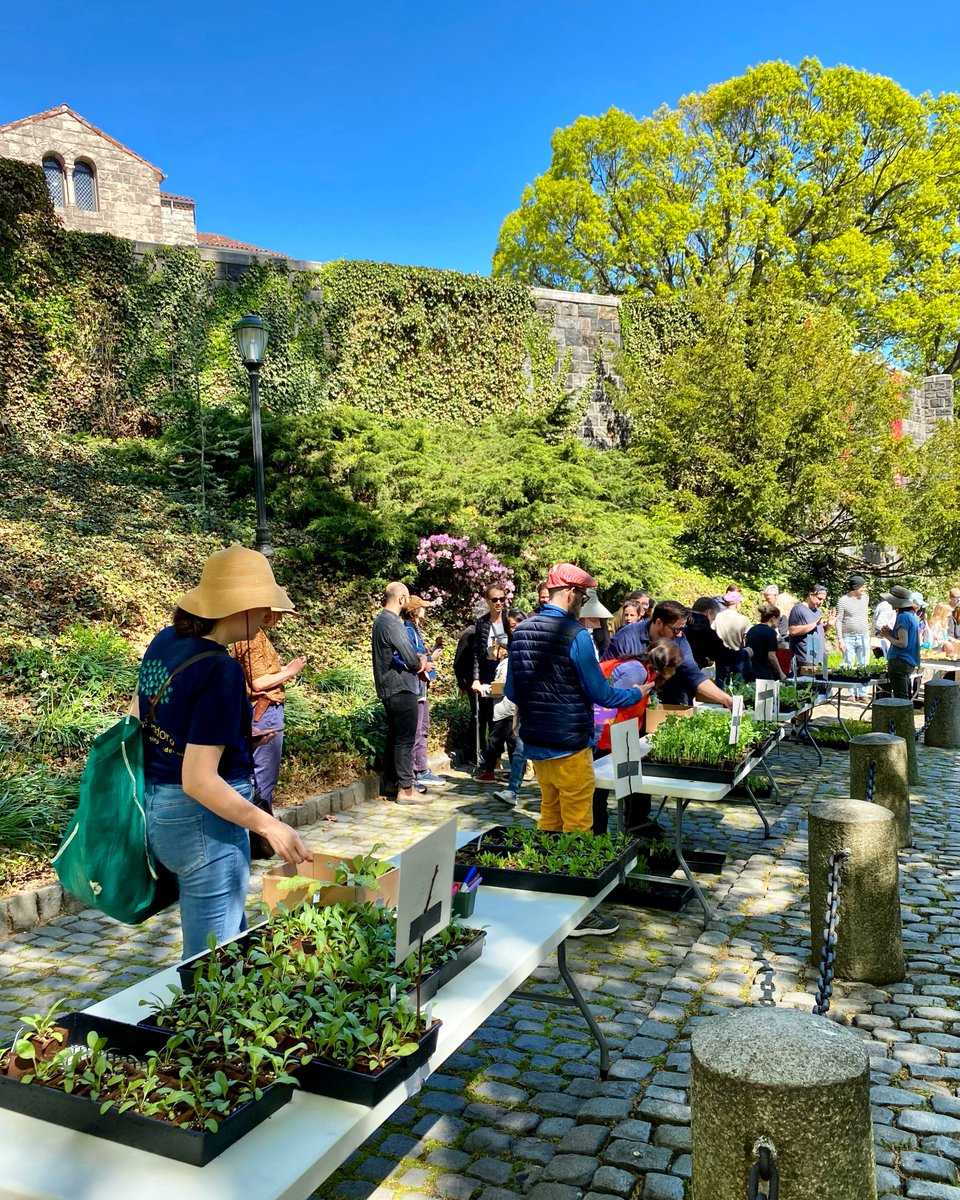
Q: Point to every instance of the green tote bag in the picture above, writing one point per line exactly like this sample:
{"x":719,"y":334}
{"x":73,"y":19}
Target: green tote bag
{"x":104,"y":858}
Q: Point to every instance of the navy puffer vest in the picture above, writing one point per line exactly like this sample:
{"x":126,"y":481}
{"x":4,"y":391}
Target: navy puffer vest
{"x":554,"y":712}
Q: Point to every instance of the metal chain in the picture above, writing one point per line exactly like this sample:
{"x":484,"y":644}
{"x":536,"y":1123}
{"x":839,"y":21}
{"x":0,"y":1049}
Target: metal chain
{"x":764,"y":979}
{"x":892,"y":727}
{"x":871,"y":781}
{"x":925,"y":726}
{"x":764,"y":1171}
{"x":828,"y":950}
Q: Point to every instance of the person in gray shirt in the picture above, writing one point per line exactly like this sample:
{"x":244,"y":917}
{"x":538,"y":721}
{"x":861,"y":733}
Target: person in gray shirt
{"x":396,"y":670}
{"x":853,"y":626}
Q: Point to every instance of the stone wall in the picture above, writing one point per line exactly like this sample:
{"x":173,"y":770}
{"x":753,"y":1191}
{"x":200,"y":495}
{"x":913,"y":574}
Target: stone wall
{"x":178,"y":221}
{"x":127,"y":187}
{"x":931,"y":402}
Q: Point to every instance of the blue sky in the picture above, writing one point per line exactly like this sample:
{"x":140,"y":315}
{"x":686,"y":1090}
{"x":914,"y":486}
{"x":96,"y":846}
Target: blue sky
{"x":406,"y":132}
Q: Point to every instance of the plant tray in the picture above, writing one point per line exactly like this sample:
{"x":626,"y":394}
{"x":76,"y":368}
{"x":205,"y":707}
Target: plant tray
{"x":450,"y":969}
{"x":664,"y":895}
{"x":360,"y":1087}
{"x":535,"y":881}
{"x":696,"y":773}
{"x":188,"y":970}
{"x":193,"y":1146}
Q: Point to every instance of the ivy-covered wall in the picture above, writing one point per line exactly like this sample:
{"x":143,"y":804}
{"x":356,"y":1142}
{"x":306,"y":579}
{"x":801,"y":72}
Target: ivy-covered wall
{"x":98,"y":339}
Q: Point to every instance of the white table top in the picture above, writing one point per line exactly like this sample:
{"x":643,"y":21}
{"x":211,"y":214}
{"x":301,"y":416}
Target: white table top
{"x":295,"y":1150}
{"x":658,"y":785}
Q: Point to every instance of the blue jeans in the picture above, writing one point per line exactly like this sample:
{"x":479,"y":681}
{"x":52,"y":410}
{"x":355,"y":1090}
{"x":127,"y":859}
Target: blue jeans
{"x":518,"y":764}
{"x":210,"y":858}
{"x":856,"y":652}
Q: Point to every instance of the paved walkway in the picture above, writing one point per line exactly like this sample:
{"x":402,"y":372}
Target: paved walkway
{"x":518,"y":1111}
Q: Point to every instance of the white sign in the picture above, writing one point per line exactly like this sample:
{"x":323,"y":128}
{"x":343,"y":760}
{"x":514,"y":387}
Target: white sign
{"x":625,"y":752}
{"x":767,"y":704}
{"x":736,"y":716}
{"x":426,"y":879}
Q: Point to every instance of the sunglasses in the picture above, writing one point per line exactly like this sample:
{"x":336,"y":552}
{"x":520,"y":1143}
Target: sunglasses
{"x":497,"y":599}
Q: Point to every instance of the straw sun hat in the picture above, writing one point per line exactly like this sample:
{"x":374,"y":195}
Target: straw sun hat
{"x":232,"y":581}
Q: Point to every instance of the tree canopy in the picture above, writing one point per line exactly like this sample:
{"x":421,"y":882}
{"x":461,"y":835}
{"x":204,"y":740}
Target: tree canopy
{"x":838,"y":183}
{"x":775,"y":439}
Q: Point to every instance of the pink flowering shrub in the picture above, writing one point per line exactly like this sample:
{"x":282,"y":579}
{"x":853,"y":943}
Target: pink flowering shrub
{"x":458,"y":571}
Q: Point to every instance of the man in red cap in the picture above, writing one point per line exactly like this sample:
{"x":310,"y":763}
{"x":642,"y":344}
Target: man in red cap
{"x":555,"y":680}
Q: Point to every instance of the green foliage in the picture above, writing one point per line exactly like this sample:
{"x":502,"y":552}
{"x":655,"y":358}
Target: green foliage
{"x":703,"y":739}
{"x":433,"y":344}
{"x":35,"y":808}
{"x":774,"y":436}
{"x":838,"y":183}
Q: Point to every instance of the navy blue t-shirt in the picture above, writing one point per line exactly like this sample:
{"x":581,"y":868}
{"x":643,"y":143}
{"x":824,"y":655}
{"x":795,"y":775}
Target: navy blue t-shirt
{"x":206,"y":705}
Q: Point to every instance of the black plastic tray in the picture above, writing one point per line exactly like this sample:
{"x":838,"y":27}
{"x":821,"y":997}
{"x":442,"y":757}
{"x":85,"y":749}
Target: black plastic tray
{"x":360,"y":1087}
{"x":188,"y":970}
{"x":664,"y":895}
{"x":450,"y":969}
{"x":534,"y":881}
{"x":193,"y":1146}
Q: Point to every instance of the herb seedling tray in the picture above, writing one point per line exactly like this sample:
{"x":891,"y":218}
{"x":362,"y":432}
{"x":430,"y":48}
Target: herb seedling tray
{"x":193,"y":1146}
{"x":698,"y":772}
{"x":496,"y":841}
{"x":188,"y":970}
{"x":362,"y":1087}
{"x":450,"y":969}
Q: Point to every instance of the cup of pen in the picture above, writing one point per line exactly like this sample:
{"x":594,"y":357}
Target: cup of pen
{"x":465,"y":894}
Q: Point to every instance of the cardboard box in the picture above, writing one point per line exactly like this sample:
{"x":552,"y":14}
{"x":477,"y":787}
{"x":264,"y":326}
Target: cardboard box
{"x":323,"y":868}
{"x":657,"y":716}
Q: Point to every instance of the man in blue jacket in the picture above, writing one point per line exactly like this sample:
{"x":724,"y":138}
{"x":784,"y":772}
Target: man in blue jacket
{"x":554,"y":679}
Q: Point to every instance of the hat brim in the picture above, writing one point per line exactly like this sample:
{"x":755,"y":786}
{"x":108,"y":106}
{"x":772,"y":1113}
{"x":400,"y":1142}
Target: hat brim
{"x":214,"y":605}
{"x":897,"y":601}
{"x":595,"y":610}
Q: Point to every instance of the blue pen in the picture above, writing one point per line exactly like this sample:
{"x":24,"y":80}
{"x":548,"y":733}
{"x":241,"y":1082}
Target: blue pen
{"x":469,"y":876}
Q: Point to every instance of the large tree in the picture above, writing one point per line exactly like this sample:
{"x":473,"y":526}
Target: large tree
{"x":774,"y":437}
{"x":839,"y":183}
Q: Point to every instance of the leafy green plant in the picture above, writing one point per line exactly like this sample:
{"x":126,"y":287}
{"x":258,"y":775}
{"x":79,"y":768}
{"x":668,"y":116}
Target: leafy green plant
{"x":35,"y":807}
{"x":704,"y":739}
{"x":582,"y":854}
{"x":363,"y":870}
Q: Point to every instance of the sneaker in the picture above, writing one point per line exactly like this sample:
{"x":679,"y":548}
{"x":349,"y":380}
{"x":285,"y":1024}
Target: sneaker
{"x":429,"y":777}
{"x":485,"y":777}
{"x":595,"y":925}
{"x":420,"y":786}
{"x":400,"y":798}
{"x":506,"y":797}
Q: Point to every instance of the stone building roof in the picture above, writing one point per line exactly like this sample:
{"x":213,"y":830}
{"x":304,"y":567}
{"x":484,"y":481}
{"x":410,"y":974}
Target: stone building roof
{"x":174,"y":196}
{"x":226,"y":243}
{"x":65,"y":109}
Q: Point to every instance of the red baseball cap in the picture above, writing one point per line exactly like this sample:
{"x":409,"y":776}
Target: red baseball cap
{"x":567,"y":575}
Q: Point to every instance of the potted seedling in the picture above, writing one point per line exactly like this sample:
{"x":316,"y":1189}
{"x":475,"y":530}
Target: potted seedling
{"x":699,"y":748}
{"x":332,"y":879}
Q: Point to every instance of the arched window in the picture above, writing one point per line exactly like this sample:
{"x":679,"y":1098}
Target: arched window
{"x":53,"y":170}
{"x":84,"y":187}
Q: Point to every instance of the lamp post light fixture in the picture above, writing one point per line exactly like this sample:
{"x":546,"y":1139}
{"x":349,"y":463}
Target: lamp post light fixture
{"x":252,"y":336}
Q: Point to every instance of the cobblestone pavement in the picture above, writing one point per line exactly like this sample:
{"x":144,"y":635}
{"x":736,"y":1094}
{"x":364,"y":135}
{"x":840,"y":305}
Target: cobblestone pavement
{"x":519,"y":1111}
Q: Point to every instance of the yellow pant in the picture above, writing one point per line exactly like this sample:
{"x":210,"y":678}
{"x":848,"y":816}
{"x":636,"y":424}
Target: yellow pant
{"x":566,"y":787}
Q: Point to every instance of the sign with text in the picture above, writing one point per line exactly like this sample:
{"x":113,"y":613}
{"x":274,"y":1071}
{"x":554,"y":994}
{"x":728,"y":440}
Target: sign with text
{"x":736,"y":716}
{"x":625,"y":752}
{"x":767,"y":704}
{"x":426,"y":877}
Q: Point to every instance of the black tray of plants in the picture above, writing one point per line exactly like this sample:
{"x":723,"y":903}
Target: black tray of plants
{"x":697,"y":748}
{"x":114,"y":1054}
{"x":599,"y":859}
{"x":236,"y":948}
{"x":366,"y":1088}
{"x":450,"y":969}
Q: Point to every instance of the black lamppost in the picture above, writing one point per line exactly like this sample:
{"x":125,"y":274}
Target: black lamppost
{"x":252,"y":336}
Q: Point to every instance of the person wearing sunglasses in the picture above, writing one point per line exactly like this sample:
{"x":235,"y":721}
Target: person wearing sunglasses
{"x":491,"y":633}
{"x":554,"y":679}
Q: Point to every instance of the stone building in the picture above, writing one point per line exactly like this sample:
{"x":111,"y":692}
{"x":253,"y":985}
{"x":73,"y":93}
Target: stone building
{"x":98,"y":185}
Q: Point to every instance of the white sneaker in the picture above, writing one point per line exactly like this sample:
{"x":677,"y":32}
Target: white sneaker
{"x":506,"y":797}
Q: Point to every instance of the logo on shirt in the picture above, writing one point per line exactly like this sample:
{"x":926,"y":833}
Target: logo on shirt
{"x":152,"y":677}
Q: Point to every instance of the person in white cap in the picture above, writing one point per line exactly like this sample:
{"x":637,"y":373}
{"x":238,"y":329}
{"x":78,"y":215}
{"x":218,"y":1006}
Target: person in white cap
{"x":731,"y":626}
{"x":197,"y":746}
{"x":594,"y":616}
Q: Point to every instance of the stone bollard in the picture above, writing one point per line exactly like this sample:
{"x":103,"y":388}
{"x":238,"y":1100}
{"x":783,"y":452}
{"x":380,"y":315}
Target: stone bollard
{"x":799,"y":1081}
{"x":901,"y":713}
{"x":944,"y":727}
{"x":887,"y":754}
{"x":869,"y":941}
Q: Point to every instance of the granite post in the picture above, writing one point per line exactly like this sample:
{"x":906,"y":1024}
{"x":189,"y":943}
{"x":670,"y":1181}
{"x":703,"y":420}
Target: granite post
{"x":800,"y":1082}
{"x":887,"y":755}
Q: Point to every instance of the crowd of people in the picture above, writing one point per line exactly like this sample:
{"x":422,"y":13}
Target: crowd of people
{"x":544,"y":686}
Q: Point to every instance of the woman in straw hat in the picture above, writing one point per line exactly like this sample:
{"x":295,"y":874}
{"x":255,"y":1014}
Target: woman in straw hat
{"x":197,"y":753}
